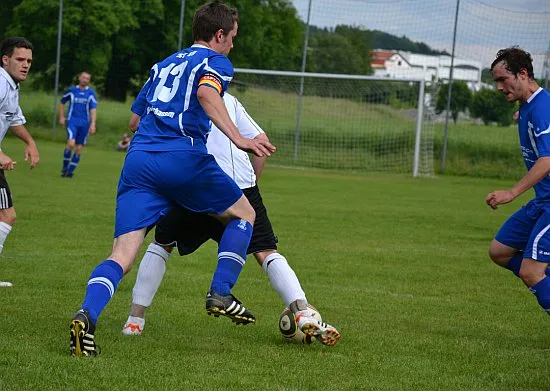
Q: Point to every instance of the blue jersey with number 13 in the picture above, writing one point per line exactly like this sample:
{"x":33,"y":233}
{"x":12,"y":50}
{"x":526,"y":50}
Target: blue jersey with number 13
{"x":170,"y":112}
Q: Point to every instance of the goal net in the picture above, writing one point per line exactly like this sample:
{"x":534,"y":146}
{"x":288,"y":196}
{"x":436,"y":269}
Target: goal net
{"x":349,"y":122}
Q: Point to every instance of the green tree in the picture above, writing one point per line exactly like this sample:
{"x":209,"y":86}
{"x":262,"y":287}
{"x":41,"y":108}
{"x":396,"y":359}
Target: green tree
{"x":491,"y":106}
{"x":346,"y":50}
{"x":361,"y":42}
{"x":136,"y":47}
{"x":486,"y":76}
{"x":460,"y":98}
{"x":6,"y":15}
{"x":270,"y":35}
{"x":88,"y":28}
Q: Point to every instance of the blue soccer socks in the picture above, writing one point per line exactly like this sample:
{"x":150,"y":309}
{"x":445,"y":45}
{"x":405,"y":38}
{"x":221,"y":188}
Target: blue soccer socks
{"x":541,"y":290}
{"x":231,"y":255}
{"x":73,"y":164}
{"x":514,"y":265}
{"x":66,"y":159}
{"x":101,"y":287}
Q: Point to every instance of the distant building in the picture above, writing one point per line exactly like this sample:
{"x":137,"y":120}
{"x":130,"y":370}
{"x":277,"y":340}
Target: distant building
{"x":398,"y":64}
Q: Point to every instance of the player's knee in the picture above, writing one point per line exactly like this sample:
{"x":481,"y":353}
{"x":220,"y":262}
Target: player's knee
{"x":251,"y":214}
{"x":532,"y":272}
{"x":262,"y":255}
{"x":8,"y":216}
{"x":499,"y":257}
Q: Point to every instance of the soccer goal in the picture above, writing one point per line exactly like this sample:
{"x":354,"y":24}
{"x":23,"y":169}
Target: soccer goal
{"x":348,"y":122}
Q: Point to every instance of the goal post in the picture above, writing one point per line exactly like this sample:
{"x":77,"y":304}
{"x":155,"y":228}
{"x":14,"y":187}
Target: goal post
{"x":341,"y":122}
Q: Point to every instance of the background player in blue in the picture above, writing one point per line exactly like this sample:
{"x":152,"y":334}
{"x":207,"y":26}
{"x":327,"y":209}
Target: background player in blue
{"x":167,"y":164}
{"x":81,"y":118}
{"x":522,"y":245}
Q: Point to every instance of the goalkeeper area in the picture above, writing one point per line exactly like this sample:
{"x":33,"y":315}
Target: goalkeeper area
{"x":351,"y":122}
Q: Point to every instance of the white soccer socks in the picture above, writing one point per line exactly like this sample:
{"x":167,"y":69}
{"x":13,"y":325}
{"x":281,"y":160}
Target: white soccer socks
{"x":283,"y":279}
{"x":150,"y":274}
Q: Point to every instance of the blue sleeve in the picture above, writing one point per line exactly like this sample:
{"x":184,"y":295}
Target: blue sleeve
{"x":93,"y":101}
{"x":218,"y":73}
{"x":66,"y":96}
{"x":140,"y":103}
{"x":540,"y":121}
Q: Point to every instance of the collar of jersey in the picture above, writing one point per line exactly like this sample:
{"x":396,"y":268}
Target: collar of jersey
{"x":534,"y":94}
{"x":198,"y":45}
{"x":9,"y":78}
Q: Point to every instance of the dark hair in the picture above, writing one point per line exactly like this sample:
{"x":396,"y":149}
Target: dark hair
{"x":515,"y":59}
{"x":212,"y":17}
{"x":8,"y":45}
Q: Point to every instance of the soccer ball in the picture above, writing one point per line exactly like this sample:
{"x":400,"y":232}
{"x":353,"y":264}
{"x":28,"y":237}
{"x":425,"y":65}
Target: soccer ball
{"x":289,"y":329}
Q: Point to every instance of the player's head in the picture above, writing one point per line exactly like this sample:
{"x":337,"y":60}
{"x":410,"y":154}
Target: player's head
{"x":512,"y":72}
{"x":84,"y":78}
{"x":16,"y":55}
{"x":216,"y":24}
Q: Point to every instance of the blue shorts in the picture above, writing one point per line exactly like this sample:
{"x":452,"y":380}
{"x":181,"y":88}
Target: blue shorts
{"x":78,"y":131}
{"x":152,"y":182}
{"x":529,"y":230}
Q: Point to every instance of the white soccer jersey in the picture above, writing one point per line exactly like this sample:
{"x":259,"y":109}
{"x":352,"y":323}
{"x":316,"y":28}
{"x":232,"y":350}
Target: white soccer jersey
{"x":10,"y":112}
{"x":231,"y":159}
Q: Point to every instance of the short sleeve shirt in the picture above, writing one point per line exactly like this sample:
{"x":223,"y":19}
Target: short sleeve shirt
{"x":10,"y":112}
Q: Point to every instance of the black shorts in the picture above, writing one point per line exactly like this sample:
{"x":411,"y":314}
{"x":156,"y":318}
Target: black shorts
{"x":5,"y":193}
{"x":189,"y":230}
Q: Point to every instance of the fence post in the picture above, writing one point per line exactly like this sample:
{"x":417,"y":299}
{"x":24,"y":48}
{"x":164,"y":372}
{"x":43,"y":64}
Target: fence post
{"x":419,"y":122}
{"x":180,"y":34}
{"x":57,"y":65}
{"x":444,"y":151}
{"x":301,"y":92}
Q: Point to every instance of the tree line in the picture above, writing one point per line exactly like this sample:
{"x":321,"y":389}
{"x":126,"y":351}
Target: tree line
{"x":119,"y":40}
{"x":489,"y":105}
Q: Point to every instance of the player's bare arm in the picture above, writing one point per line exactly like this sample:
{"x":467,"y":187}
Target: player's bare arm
{"x":533,"y":176}
{"x":258,"y":163}
{"x":214,"y":107}
{"x":31,"y":151}
{"x":6,"y":162}
{"x":62,"y":119}
{"x":134,"y":122}
{"x":93,"y":116}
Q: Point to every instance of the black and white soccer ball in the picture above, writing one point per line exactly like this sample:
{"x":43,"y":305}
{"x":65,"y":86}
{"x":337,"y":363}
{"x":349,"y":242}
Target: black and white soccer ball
{"x":291,"y":332}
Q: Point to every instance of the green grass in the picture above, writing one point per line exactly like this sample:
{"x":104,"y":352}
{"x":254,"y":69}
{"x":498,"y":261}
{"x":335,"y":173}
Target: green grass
{"x":334,"y":134}
{"x":398,"y":265}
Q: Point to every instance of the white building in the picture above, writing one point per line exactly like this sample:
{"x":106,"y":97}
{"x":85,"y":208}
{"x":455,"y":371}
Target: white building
{"x":399,"y":65}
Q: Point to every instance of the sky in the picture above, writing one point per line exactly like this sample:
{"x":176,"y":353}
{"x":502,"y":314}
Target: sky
{"x":484,"y":26}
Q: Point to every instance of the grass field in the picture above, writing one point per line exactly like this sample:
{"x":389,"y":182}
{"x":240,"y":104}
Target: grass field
{"x":398,"y":265}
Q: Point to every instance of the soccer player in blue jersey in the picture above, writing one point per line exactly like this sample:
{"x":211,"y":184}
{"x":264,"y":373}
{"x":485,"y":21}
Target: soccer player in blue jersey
{"x":80,"y":120}
{"x":188,"y":231}
{"x":167,"y":164}
{"x":522,"y":244}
